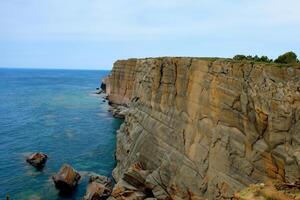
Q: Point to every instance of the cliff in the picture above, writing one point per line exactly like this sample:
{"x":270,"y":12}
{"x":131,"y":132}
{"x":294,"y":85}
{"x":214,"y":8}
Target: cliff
{"x":201,"y":128}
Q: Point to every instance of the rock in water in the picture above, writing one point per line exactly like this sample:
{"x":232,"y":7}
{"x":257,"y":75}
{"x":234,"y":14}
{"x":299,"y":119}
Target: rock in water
{"x":100,"y":187}
{"x":37,"y":160}
{"x":66,"y":179}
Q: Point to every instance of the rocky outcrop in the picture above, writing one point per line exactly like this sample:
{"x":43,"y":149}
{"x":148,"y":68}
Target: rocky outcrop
{"x":272,"y":190}
{"x":38,"y":160}
{"x":204,"y":128}
{"x":133,"y":184}
{"x":99,"y":188}
{"x":66,"y":179}
{"x":118,"y":111}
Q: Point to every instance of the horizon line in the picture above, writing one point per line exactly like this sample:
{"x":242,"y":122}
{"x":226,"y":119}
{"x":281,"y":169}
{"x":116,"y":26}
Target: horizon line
{"x":57,"y":68}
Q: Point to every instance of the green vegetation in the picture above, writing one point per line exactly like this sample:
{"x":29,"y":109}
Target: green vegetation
{"x":287,"y":58}
{"x":253,"y":58}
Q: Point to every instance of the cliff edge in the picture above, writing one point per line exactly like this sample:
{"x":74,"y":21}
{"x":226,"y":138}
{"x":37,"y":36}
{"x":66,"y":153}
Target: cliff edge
{"x":201,"y":128}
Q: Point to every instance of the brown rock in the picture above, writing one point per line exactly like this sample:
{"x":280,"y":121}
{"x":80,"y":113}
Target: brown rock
{"x":118,"y":111}
{"x":133,"y":184}
{"x":37,"y":160}
{"x":66,"y":179}
{"x":205,"y":128}
{"x":125,"y":191}
{"x":99,"y":188}
{"x":270,"y":190}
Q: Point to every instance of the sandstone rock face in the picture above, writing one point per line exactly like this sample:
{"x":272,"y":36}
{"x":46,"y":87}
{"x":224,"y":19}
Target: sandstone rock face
{"x":122,"y":77}
{"x":205,"y":128}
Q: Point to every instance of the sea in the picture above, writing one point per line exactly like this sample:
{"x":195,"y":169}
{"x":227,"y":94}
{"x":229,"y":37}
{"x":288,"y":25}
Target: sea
{"x":58,"y":113}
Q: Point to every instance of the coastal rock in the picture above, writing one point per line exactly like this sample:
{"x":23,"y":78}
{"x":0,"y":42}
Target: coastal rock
{"x":204,"y":128}
{"x":271,"y":190}
{"x":118,"y":111}
{"x":133,"y":184}
{"x":99,"y":188}
{"x":66,"y":179}
{"x":125,"y":191}
{"x":37,"y":160}
{"x":99,"y":92}
{"x":103,"y":85}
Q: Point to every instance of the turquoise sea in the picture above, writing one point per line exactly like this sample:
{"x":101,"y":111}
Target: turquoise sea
{"x":55,"y":112}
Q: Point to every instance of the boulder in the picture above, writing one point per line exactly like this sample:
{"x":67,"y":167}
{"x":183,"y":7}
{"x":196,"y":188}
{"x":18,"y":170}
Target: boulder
{"x":132,"y":185}
{"x":66,"y":179}
{"x":118,"y":111}
{"x":124,"y":190}
{"x":37,"y":160}
{"x":99,"y":188}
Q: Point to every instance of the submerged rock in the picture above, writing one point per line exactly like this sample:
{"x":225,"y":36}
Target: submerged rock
{"x":66,"y":179}
{"x":37,"y":160}
{"x":100,"y":187}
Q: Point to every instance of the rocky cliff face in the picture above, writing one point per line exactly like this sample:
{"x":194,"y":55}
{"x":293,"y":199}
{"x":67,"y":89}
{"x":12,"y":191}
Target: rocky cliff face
{"x":204,"y":128}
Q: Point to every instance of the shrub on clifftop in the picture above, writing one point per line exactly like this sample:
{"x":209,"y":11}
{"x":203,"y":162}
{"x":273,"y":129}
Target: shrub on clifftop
{"x":239,"y":57}
{"x":252,"y":58}
{"x":289,"y":57}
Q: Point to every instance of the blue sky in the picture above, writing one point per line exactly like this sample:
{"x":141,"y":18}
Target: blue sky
{"x":92,"y":34}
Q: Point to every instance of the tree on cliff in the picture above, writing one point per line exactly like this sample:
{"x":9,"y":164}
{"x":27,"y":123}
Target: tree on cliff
{"x":286,"y":58}
{"x":240,"y":57}
{"x":252,"y":58}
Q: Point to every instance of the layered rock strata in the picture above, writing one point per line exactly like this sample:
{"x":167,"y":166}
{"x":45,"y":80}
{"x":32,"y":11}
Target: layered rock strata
{"x":204,"y":128}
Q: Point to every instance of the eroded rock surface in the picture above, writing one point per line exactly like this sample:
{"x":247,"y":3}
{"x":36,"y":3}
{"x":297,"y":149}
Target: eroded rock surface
{"x":99,"y":188}
{"x":66,"y":179}
{"x":118,"y":111}
{"x":204,"y":128}
{"x":271,"y":190}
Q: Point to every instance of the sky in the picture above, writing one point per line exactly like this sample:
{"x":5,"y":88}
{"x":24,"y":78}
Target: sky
{"x":92,"y":34}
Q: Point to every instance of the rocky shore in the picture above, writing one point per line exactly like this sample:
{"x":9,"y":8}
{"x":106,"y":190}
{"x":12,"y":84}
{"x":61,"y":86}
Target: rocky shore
{"x":201,"y":128}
